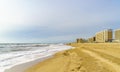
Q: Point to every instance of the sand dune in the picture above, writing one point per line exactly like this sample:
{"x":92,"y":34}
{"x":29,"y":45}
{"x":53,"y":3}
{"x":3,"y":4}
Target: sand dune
{"x":85,"y":57}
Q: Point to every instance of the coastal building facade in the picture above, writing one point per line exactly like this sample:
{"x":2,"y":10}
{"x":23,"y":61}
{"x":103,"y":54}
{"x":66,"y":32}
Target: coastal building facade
{"x":117,"y":35}
{"x":80,"y":40}
{"x":92,"y":39}
{"x":104,"y":36}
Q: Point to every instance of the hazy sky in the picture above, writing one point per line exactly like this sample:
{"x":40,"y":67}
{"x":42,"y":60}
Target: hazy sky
{"x":56,"y":20}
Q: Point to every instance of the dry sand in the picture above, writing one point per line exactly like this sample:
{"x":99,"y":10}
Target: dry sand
{"x":85,"y":57}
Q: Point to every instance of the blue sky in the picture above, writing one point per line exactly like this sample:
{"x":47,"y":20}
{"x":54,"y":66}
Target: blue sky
{"x":46,"y":21}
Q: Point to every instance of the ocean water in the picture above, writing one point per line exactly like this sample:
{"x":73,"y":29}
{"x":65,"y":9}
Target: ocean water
{"x":15,"y":54}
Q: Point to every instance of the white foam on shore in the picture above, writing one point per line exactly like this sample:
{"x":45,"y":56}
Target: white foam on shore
{"x":19,"y":61}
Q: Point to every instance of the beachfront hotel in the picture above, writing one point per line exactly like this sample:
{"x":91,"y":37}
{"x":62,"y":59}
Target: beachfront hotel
{"x":104,"y":36}
{"x":117,"y":35}
{"x":80,"y":40}
{"x":92,"y":39}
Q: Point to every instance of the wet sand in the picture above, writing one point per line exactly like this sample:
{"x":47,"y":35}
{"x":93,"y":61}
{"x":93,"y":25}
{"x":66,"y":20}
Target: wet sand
{"x":23,"y":66}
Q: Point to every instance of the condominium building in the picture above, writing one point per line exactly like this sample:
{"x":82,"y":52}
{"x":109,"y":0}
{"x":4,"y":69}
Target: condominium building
{"x":117,"y":35}
{"x":80,"y":40}
{"x":91,"y":40}
{"x":104,"y":36}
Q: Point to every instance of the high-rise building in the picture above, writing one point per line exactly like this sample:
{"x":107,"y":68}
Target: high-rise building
{"x":104,"y":36}
{"x":117,"y":35}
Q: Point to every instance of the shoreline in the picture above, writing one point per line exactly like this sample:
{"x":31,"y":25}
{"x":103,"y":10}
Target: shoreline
{"x":23,"y":66}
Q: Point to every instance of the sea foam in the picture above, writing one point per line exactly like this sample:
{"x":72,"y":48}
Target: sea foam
{"x":12,"y":59}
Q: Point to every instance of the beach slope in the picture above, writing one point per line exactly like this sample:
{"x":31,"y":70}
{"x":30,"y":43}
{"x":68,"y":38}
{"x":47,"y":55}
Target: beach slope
{"x":83,"y":58}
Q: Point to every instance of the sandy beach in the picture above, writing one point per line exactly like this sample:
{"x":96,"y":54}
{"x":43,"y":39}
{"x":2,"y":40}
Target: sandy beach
{"x":85,"y":57}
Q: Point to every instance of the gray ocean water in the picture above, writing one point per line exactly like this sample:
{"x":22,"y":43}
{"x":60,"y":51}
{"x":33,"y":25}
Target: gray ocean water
{"x":14,"y":47}
{"x":12,"y":54}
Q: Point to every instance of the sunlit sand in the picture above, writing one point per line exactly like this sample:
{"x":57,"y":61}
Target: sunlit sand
{"x":85,"y":57}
